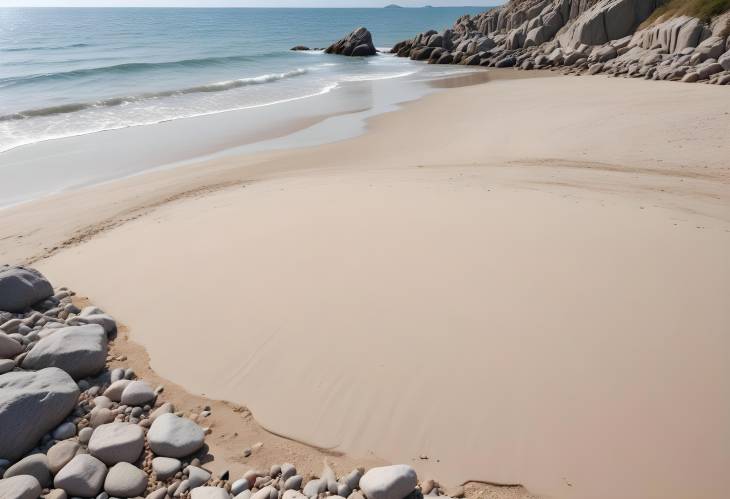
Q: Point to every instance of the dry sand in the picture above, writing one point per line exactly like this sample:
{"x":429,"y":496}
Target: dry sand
{"x":519,"y":282}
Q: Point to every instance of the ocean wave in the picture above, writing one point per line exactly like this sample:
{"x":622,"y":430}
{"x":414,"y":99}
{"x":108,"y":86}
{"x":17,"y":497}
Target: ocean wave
{"x":33,"y":49}
{"x":127,"y":68}
{"x":118,"y":101}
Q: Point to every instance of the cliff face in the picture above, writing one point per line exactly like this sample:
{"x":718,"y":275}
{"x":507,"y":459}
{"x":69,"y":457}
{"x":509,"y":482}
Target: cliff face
{"x":578,"y":34}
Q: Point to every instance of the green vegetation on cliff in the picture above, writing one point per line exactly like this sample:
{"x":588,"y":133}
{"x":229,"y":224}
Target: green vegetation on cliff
{"x":703,"y":9}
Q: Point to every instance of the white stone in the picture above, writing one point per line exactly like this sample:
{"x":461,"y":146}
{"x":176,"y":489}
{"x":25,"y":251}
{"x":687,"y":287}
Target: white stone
{"x":389,"y":482}
{"x":35,"y":465}
{"x":137,"y":393}
{"x":165,"y":467}
{"x":125,"y":480}
{"x":172,"y":436}
{"x":115,"y":390}
{"x":117,"y":442}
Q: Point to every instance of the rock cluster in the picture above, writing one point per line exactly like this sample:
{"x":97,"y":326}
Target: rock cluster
{"x":582,"y":37}
{"x":358,"y":43}
{"x":73,"y":427}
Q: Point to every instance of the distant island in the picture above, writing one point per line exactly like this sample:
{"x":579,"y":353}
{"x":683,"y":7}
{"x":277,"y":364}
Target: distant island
{"x":393,"y":6}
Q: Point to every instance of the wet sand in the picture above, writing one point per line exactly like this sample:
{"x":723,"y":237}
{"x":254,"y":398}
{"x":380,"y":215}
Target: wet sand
{"x":518,"y":282}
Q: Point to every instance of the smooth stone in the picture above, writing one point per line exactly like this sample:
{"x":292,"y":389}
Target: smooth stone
{"x":197,"y":476}
{"x":83,"y":476}
{"x":288,"y":470}
{"x":210,"y":493}
{"x":137,"y":393}
{"x":103,"y":401}
{"x":115,"y":390}
{"x":31,"y":405}
{"x":352,"y":480}
{"x":35,"y":465}
{"x":125,"y":480}
{"x":172,"y":436}
{"x":166,"y":408}
{"x":157,"y":494}
{"x":116,"y":442}
{"x":20,"y":487}
{"x":292,"y":494}
{"x":238,"y":486}
{"x":60,"y":454}
{"x":293,"y":482}
{"x":6,"y":365}
{"x":64,"y":431}
{"x":85,"y":435}
{"x":56,"y":494}
{"x":315,"y":487}
{"x":389,"y":482}
{"x":116,"y":374}
{"x":165,"y":467}
{"x":21,"y":287}
{"x":100,"y":416}
{"x":103,"y":320}
{"x":78,"y":350}
{"x":246,"y":494}
{"x":264,"y":493}
{"x":9,"y":347}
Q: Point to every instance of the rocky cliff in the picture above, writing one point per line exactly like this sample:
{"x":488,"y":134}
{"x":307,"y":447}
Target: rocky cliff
{"x":618,"y":37}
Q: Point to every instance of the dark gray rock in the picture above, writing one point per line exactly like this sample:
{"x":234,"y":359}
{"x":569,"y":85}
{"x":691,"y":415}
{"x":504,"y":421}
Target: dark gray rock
{"x":357,"y":43}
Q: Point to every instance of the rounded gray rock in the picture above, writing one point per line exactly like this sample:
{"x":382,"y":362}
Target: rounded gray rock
{"x":117,"y":442}
{"x":79,"y":350}
{"x":60,"y":454}
{"x":115,"y":390}
{"x":137,"y":393}
{"x":165,"y":467}
{"x":21,"y":287}
{"x":85,"y":435}
{"x":389,"y":482}
{"x":83,"y":476}
{"x":173,"y":436}
{"x":31,"y":405}
{"x":20,"y":487}
{"x":9,"y":347}
{"x":210,"y":493}
{"x":64,"y":431}
{"x":125,"y":480}
{"x":238,"y":486}
{"x":35,"y":465}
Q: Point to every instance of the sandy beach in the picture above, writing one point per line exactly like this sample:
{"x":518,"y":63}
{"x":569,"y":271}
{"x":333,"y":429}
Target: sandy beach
{"x":519,"y":282}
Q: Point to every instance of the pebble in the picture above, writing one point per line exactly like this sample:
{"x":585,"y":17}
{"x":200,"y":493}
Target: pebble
{"x":166,"y":408}
{"x":20,"y":487}
{"x":83,"y":476}
{"x":239,"y":486}
{"x":157,"y":494}
{"x":115,"y":390}
{"x":165,"y":467}
{"x":389,"y":482}
{"x":85,"y":435}
{"x":35,"y":465}
{"x":61,"y":453}
{"x":116,"y":442}
{"x":125,"y":480}
{"x":137,"y":393}
{"x":265,"y":493}
{"x":209,"y":493}
{"x":173,"y":436}
{"x":56,"y":494}
{"x":246,"y":494}
{"x":103,"y":402}
{"x":6,"y":365}
{"x":293,"y":482}
{"x":100,"y":416}
{"x":288,"y":470}
{"x":197,"y":476}
{"x":64,"y":431}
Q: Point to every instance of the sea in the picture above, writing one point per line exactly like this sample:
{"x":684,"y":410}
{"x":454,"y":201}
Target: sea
{"x":66,"y":72}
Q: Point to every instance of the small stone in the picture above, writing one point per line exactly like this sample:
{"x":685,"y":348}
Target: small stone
{"x":239,"y":486}
{"x":20,"y":487}
{"x":83,"y":476}
{"x":56,"y":494}
{"x":35,"y":465}
{"x":103,"y":402}
{"x":389,"y":482}
{"x":197,"y":476}
{"x":85,"y":435}
{"x":165,"y":467}
{"x":137,"y":393}
{"x":116,"y":442}
{"x":210,"y":493}
{"x":166,"y":408}
{"x":157,"y":494}
{"x":60,"y":454}
{"x":172,"y":436}
{"x":246,"y":452}
{"x":6,"y":365}
{"x":100,"y":416}
{"x":115,"y":390}
{"x":315,"y":487}
{"x":246,"y":494}
{"x":288,"y":470}
{"x":293,"y":482}
{"x":264,"y":493}
{"x":64,"y":431}
{"x":125,"y":480}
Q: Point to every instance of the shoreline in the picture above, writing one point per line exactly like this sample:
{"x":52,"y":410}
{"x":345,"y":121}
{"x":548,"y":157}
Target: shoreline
{"x":687,"y":183}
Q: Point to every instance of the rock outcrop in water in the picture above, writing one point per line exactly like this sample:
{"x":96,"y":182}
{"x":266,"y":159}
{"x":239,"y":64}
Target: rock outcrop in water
{"x":357,"y":44}
{"x":583,"y":37}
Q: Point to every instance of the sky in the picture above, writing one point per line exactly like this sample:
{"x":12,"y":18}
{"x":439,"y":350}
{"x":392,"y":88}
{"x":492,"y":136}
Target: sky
{"x":243,"y":3}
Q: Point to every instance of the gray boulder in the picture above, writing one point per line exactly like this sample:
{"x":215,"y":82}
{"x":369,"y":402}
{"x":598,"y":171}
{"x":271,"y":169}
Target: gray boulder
{"x":35,"y":465}
{"x":357,"y":43}
{"x":78,"y":350}
{"x":117,"y":442}
{"x":125,"y":480}
{"x":173,"y":436}
{"x":31,"y":405}
{"x":389,"y":482}
{"x":20,"y":487}
{"x":21,"y":287}
{"x":83,"y":476}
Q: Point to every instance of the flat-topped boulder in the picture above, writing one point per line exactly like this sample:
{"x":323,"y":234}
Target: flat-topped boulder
{"x":357,"y":44}
{"x":83,"y":476}
{"x":173,"y":436}
{"x":31,"y":405}
{"x":78,"y":350}
{"x":21,"y":287}
{"x":117,"y":442}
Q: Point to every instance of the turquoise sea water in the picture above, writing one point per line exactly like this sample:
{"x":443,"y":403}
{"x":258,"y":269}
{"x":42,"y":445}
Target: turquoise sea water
{"x":66,"y":72}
